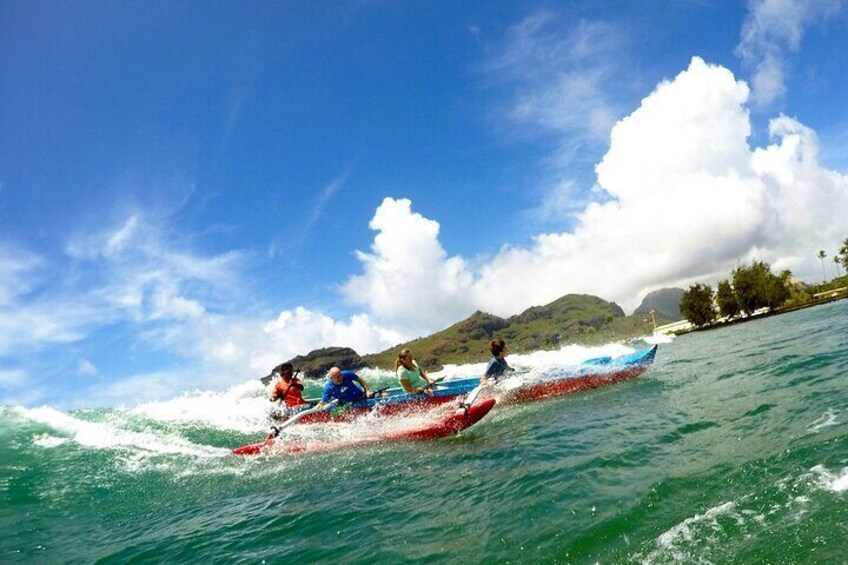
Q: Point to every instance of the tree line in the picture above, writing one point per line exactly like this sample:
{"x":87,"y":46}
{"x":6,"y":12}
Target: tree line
{"x":750,"y":288}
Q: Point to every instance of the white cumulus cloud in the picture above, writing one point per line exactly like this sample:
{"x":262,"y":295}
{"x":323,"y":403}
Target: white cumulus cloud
{"x":298,"y":331}
{"x":689,"y":199}
{"x":408,"y":278}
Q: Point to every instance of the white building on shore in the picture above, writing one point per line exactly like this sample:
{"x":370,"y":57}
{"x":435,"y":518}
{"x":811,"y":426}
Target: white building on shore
{"x":670,"y":329}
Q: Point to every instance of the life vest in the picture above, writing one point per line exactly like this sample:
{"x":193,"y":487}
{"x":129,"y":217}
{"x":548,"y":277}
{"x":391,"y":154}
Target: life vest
{"x":289,"y":393}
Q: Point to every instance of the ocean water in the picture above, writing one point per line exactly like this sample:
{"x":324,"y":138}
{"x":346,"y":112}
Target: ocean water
{"x":730,"y":449}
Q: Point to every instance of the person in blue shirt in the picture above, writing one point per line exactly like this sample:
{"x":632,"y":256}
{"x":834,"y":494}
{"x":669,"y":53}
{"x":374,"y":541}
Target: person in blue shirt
{"x":344,"y":386}
{"x":497,"y":365}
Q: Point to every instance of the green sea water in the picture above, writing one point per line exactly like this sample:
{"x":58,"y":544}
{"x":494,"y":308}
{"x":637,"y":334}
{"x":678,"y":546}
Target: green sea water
{"x":732,"y":448}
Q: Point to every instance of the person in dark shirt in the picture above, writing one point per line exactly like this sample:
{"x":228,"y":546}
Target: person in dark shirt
{"x":497,"y":365}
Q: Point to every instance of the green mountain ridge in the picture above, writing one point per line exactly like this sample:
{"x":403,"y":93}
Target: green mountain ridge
{"x":665,"y":303}
{"x":572,"y":319}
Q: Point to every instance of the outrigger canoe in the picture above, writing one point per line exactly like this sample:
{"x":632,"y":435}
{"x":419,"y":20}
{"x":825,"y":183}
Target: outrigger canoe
{"x":592,"y":373}
{"x":448,"y":424}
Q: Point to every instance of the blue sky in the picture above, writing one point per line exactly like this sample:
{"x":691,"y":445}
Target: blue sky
{"x":192,"y":192}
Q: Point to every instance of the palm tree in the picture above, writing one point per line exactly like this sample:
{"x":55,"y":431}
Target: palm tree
{"x":836,"y":260}
{"x":822,"y":255}
{"x":843,"y":254}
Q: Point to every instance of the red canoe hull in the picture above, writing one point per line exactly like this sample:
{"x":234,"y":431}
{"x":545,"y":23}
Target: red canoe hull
{"x":353,"y":412}
{"x":549,"y":389}
{"x":449,"y":424}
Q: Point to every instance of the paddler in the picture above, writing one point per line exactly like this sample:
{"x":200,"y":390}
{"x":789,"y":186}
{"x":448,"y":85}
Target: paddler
{"x":497,"y":366}
{"x":412,"y":378}
{"x":288,"y":390}
{"x":344,"y":386}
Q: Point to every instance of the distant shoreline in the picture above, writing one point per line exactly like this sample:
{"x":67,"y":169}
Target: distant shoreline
{"x":775,"y":312}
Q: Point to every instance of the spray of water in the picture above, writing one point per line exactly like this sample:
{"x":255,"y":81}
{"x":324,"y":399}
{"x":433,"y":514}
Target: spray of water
{"x":172,"y":427}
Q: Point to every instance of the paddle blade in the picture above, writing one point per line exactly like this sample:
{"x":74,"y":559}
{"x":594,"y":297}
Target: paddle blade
{"x":254,"y":448}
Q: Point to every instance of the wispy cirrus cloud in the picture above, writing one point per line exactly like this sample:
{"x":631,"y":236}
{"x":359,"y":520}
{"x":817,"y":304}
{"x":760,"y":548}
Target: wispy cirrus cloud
{"x":29,"y":317}
{"x":327,"y":193}
{"x":146,"y":270}
{"x":18,"y":269}
{"x":32,"y":325}
{"x":295,"y":238}
{"x":146,"y":278}
{"x":10,"y":378}
{"x":557,"y":72}
{"x":772,"y":29}
{"x":138,"y":272}
{"x":86,"y":368}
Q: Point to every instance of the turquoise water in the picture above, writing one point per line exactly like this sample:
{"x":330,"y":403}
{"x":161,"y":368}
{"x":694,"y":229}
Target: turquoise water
{"x":731,"y":449}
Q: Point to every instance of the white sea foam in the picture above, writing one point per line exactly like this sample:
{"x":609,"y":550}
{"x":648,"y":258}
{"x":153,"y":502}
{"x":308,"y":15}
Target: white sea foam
{"x":680,"y":541}
{"x":48,"y":441}
{"x":102,"y":435}
{"x":242,"y":408}
{"x":826,"y":420}
{"x":840,"y":484}
{"x":541,"y":361}
{"x":369,"y":427}
{"x":658,"y":339}
{"x":699,"y":538}
{"x":828,"y":480}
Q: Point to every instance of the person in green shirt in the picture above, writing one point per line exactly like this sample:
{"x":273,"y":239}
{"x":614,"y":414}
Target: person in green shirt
{"x":412,"y":378}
